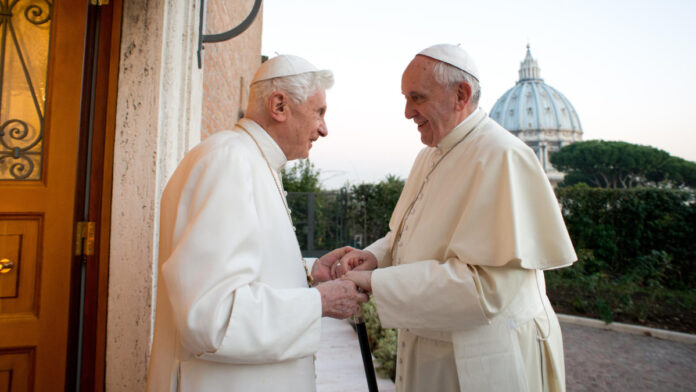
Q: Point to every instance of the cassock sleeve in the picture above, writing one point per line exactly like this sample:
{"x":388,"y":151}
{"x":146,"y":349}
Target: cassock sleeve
{"x":447,"y":296}
{"x":221,"y":312}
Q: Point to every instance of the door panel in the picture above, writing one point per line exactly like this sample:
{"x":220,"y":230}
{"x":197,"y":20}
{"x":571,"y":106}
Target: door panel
{"x":19,"y":245}
{"x":37,"y":209}
{"x":16,"y":370}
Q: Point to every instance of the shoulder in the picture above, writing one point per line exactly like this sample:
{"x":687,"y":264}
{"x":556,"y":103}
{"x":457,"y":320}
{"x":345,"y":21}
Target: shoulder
{"x":495,"y":142}
{"x":223,"y":153}
{"x":231,"y":143}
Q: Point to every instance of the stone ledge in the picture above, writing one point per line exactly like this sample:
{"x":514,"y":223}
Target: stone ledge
{"x":680,"y":337}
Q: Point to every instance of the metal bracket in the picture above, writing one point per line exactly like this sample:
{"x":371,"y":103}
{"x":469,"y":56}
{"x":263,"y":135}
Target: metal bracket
{"x":203,"y":38}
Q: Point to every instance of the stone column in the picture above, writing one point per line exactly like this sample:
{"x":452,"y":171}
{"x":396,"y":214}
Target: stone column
{"x":158,"y":120}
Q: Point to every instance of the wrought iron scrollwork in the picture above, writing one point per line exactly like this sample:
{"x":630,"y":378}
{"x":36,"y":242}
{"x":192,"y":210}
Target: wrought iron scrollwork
{"x":13,"y":133}
{"x":20,"y":141}
{"x":34,"y":12}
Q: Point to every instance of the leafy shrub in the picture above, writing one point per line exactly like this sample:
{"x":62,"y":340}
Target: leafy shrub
{"x":636,"y":251}
{"x":641,"y":233}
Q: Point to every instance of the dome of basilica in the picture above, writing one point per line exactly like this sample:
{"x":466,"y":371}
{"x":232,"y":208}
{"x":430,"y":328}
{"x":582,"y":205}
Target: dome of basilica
{"x":538,"y":114}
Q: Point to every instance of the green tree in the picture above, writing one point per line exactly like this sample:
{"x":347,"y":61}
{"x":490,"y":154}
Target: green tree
{"x":303,"y":176}
{"x":312,"y":206}
{"x":370,"y":207}
{"x":607,"y":164}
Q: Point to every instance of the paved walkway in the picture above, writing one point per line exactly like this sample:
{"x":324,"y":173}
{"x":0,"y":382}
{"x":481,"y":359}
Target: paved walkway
{"x":339,"y":363}
{"x":596,"y":360}
{"x":599,"y":360}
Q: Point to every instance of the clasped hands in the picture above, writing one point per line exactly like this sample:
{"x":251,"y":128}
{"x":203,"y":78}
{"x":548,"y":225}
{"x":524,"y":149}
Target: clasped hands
{"x":342,"y":272}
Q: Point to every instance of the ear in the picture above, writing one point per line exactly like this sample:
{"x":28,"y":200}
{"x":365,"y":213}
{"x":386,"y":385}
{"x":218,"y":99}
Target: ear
{"x":463,"y":95}
{"x":278,"y":106}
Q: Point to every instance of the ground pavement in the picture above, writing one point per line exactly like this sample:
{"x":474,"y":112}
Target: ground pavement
{"x":596,"y":360}
{"x":600,"y":360}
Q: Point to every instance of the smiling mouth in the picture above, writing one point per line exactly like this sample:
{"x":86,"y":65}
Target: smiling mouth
{"x":421,"y":125}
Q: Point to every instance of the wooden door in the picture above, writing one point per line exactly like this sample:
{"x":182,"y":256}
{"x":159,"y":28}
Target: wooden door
{"x":41,"y":59}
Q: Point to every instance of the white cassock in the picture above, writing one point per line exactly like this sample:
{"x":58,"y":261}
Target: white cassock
{"x":460,"y":270}
{"x":234,"y":312}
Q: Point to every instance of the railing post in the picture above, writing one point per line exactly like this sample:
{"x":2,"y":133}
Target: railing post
{"x":310,"y":221}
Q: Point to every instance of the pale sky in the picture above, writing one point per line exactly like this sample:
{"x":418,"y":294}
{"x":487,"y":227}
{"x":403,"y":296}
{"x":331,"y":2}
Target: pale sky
{"x":626,"y":66}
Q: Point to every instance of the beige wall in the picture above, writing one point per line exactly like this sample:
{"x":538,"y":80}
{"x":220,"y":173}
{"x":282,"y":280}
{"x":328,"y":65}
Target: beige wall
{"x":228,"y":66}
{"x":159,"y":116}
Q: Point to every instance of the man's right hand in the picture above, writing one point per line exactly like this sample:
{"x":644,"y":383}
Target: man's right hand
{"x":359,"y":260}
{"x":340,"y":298}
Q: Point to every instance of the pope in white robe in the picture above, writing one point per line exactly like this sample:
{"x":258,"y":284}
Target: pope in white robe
{"x":460,"y":271}
{"x":234,"y":311}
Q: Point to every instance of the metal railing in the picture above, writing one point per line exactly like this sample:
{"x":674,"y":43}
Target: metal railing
{"x":320,"y":220}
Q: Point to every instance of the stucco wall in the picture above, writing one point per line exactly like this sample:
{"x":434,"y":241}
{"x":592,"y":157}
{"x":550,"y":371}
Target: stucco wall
{"x":228,"y":66}
{"x":160,"y":94}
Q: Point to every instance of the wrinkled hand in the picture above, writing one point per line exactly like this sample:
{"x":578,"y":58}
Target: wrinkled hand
{"x":321,"y":270}
{"x":340,"y":298}
{"x":362,"y":279}
{"x":359,"y":260}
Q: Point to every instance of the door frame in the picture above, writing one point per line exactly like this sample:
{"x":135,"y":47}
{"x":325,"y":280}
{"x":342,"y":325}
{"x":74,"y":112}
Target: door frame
{"x":93,"y":197}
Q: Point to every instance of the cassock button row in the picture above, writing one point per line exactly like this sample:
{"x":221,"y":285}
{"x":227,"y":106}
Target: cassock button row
{"x":285,"y":193}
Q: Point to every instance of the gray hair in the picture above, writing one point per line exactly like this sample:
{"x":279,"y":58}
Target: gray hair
{"x":298,"y":87}
{"x":448,"y":75}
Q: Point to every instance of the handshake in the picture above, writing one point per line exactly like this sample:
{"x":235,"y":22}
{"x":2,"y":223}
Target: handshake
{"x":345,"y":275}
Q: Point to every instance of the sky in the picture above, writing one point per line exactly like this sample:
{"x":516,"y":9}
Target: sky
{"x":626,"y":66}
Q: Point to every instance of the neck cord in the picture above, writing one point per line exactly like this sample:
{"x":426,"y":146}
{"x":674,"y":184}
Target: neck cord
{"x":310,"y":279}
{"x":397,"y":238}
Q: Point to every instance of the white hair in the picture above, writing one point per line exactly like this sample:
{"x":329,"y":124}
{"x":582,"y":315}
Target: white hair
{"x":448,"y":75}
{"x":298,"y":87}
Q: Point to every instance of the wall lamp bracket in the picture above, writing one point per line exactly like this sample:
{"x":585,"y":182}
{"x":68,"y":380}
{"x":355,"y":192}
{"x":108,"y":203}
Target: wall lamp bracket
{"x":227,"y":35}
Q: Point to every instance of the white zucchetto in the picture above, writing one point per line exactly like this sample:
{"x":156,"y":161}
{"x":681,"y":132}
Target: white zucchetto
{"x":452,"y":55}
{"x":283,"y":65}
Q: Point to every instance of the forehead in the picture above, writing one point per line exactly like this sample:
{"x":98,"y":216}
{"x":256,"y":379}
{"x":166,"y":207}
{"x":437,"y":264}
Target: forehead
{"x":316,"y":100}
{"x":418,"y":76}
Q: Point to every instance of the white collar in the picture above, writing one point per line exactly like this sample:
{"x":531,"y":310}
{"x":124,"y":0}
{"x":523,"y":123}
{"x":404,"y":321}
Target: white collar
{"x":461,"y":130}
{"x":274,"y":154}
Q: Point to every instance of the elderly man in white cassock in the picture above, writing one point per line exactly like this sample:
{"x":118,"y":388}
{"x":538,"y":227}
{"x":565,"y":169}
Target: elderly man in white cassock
{"x":234,"y":308}
{"x":460,"y":273}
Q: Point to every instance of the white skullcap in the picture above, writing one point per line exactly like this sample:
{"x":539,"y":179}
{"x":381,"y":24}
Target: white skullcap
{"x":283,"y":65}
{"x":452,"y":55}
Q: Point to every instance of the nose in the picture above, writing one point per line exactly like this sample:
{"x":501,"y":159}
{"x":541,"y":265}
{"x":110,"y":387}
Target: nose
{"x":409,"y":112}
{"x":323,"y":130}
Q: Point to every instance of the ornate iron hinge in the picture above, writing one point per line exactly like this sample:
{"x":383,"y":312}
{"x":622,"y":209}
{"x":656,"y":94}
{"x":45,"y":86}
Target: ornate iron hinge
{"x":84,"y":238}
